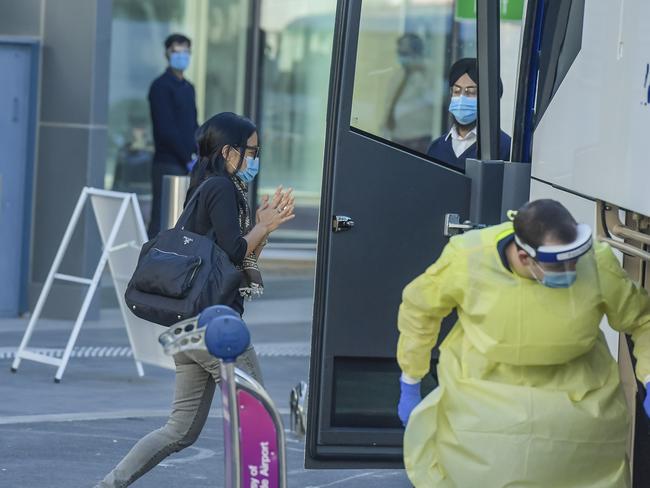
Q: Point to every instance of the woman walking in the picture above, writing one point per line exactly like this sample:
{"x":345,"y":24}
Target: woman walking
{"x":229,"y":149}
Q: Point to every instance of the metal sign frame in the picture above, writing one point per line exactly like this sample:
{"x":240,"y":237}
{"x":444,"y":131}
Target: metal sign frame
{"x":122,"y":230}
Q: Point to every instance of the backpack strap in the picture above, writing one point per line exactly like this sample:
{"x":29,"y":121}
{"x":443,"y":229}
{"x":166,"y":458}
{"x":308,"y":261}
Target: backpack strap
{"x":190,"y":208}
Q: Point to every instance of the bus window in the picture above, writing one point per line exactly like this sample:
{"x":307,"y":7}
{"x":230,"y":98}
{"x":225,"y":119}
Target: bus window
{"x":401,"y":91}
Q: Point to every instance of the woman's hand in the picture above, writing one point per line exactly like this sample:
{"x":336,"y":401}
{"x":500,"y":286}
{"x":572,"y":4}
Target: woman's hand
{"x":280,"y":209}
{"x":264,"y":204}
{"x":271,"y":214}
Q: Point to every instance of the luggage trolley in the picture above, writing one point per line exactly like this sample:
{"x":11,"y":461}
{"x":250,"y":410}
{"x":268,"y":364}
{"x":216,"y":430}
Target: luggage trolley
{"x":254,"y":442}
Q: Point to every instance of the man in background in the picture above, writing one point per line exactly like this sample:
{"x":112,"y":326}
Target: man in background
{"x":173,"y":117}
{"x":459,"y":143}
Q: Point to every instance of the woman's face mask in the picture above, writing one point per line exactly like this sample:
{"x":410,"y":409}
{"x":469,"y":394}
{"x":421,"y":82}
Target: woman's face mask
{"x":250,"y":172}
{"x":249,"y":169}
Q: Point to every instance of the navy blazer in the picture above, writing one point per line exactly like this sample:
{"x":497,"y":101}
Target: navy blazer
{"x":442,"y":150}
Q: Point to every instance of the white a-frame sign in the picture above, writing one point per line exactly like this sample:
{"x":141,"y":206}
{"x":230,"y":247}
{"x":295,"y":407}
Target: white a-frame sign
{"x":122,"y":231}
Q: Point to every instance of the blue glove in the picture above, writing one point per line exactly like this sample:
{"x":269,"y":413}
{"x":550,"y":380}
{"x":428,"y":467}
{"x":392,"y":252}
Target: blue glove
{"x":409,"y":397}
{"x":646,"y":402}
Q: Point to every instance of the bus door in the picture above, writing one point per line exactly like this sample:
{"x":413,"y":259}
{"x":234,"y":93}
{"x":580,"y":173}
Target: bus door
{"x":383,"y":210}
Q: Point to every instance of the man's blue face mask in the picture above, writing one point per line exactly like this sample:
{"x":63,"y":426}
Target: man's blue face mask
{"x":464,"y":109}
{"x":179,"y":60}
{"x":252,"y":168}
{"x":556,"y":279}
{"x":559,"y":279}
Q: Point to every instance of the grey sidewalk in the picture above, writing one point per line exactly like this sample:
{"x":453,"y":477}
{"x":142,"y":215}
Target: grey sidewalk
{"x":70,"y":434}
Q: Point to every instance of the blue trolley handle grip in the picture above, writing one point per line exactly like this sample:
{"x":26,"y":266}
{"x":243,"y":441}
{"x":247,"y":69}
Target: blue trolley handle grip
{"x":218,"y":330}
{"x":227,"y":338}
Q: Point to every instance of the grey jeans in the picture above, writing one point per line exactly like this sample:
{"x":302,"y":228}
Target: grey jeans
{"x":197,"y":373}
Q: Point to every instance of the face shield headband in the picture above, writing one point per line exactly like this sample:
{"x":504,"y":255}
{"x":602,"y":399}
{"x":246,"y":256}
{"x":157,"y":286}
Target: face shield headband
{"x":563,"y":252}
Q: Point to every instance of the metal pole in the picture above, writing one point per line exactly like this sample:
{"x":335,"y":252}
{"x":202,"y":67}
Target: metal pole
{"x":489,"y":66}
{"x":254,"y":73}
{"x":174,"y":189}
{"x":229,"y":400}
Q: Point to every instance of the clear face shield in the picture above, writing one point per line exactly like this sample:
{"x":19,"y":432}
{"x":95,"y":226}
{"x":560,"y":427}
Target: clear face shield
{"x":557,"y":266}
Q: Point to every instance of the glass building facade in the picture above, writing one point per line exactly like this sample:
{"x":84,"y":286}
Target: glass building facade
{"x":218,"y":30}
{"x":295,"y":43}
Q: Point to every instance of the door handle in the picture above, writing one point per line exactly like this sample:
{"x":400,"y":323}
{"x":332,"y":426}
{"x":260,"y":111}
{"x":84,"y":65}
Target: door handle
{"x":453,"y":225}
{"x":14,"y":116}
{"x":341,"y":223}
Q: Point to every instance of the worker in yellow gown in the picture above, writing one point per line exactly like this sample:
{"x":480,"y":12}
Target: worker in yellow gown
{"x":529,"y":395}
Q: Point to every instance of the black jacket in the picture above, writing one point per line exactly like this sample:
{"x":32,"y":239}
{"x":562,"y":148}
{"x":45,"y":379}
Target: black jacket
{"x":173,"y":116}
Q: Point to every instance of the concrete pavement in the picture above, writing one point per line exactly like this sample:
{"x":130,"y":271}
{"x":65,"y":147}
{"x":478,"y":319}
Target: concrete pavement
{"x":70,"y":434}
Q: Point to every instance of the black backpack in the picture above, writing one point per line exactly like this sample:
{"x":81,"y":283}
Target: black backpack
{"x":180,"y":273}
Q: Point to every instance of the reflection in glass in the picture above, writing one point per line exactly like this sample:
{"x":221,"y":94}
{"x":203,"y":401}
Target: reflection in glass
{"x":405,"y":50}
{"x":409,"y":111}
{"x":298,"y":39}
{"x":218,"y":30}
{"x":225,"y":38}
{"x":138,"y":31}
{"x":400,"y":88}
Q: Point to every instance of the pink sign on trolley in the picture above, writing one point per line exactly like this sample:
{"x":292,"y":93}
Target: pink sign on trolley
{"x":259,"y":448}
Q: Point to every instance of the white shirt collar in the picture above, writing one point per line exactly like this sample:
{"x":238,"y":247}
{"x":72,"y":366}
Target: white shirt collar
{"x":453,"y":133}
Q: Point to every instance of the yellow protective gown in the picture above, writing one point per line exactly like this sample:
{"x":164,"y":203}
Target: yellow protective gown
{"x":529,"y":394}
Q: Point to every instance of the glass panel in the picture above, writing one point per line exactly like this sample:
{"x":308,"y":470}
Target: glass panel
{"x":138,"y":31}
{"x":298,"y":38}
{"x":405,"y":47}
{"x":226,"y":40}
{"x":218,"y":30}
{"x":366,"y":392}
{"x":405,"y":50}
{"x":510,"y":38}
{"x":561,"y":42}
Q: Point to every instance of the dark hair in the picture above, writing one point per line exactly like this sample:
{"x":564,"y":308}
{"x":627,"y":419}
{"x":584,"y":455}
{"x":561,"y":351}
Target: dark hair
{"x":224,"y":129}
{"x":178,"y":39}
{"x":469,"y":66}
{"x":415,"y":43}
{"x":540,"y":220}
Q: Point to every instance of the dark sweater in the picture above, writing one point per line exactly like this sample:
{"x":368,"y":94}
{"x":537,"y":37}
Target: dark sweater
{"x":442,"y":150}
{"x":173,"y":117}
{"x":217,"y":212}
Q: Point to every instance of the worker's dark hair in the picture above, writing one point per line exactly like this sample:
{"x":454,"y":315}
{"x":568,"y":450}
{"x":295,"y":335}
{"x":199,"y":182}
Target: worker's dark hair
{"x":224,"y":129}
{"x":414,"y":41}
{"x":178,"y":39}
{"x":469,"y":66}
{"x":540,"y":220}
